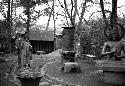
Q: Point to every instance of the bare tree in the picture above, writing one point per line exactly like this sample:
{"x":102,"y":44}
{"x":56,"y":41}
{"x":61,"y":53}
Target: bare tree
{"x":113,"y":19}
{"x":77,"y":24}
{"x":113,"y":14}
{"x":73,"y":14}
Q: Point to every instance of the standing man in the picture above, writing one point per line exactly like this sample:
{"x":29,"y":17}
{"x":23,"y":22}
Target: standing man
{"x":19,"y":46}
{"x":26,"y":52}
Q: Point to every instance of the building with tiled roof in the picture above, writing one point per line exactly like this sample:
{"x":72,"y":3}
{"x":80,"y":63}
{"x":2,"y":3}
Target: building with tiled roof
{"x":42,"y":40}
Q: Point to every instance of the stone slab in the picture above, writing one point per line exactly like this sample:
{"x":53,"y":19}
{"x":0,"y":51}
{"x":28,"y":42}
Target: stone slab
{"x":115,"y":66}
{"x":115,"y":78}
{"x":113,"y":72}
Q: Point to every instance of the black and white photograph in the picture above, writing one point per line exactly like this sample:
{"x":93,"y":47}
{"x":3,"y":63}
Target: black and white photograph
{"x":62,"y":43}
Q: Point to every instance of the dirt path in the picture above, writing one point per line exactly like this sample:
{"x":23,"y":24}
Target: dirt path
{"x":43,"y":60}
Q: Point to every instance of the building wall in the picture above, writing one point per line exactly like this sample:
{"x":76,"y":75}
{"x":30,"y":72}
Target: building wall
{"x":59,"y":42}
{"x":47,"y":46}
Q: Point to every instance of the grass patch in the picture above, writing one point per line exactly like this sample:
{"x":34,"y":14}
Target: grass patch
{"x":87,"y":77}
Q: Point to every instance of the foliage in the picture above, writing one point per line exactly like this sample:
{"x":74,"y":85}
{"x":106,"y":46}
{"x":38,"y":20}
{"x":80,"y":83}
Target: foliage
{"x":72,"y":10}
{"x":32,"y":3}
{"x":24,"y":3}
{"x":3,"y":28}
{"x":2,"y":10}
{"x":92,"y":38}
{"x":4,"y":36}
{"x":27,"y":3}
{"x":18,"y":27}
{"x":85,"y":43}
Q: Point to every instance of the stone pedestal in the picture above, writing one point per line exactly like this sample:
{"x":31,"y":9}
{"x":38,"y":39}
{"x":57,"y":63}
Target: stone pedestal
{"x":113,"y":72}
{"x":68,"y":53}
{"x":68,"y":56}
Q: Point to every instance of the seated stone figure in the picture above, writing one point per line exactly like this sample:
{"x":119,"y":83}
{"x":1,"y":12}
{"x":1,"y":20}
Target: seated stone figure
{"x":114,"y":47}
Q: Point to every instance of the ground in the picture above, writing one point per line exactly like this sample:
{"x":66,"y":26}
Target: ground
{"x":4,"y":66}
{"x":51,"y":68}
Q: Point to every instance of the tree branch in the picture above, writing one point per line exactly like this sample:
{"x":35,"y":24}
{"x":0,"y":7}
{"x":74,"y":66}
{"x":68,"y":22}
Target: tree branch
{"x":64,"y":13}
{"x":20,"y":17}
{"x":49,"y":18}
{"x":121,"y":6}
{"x":106,"y":11}
{"x":83,"y":11}
{"x":103,"y":12}
{"x":60,"y":4}
{"x":75,"y":11}
{"x":72,"y":10}
{"x":66,"y":8}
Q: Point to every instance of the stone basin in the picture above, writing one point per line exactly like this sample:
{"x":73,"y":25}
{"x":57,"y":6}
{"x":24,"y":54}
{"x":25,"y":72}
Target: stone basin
{"x":29,"y":81}
{"x":113,"y":72}
{"x":29,"y":77}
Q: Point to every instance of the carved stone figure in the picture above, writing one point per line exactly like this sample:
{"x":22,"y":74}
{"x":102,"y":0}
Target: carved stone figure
{"x":114,"y":47}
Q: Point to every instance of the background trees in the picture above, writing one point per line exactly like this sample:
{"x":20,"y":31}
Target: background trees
{"x":67,"y":12}
{"x":95,"y":39}
{"x":12,"y":21}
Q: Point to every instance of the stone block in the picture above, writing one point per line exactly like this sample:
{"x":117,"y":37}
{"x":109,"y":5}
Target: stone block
{"x":71,"y":67}
{"x":113,"y":72}
{"x":68,"y":56}
{"x":114,"y":78}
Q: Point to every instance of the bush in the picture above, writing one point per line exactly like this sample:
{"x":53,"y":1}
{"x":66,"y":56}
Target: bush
{"x":93,"y":39}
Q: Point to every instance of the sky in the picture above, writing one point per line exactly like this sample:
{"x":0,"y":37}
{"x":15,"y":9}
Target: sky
{"x":87,"y":14}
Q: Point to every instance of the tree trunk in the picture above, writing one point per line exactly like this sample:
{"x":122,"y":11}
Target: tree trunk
{"x":103,"y":13}
{"x":9,"y":28}
{"x":113,"y":18}
{"x":28,"y":20}
{"x":78,"y":31}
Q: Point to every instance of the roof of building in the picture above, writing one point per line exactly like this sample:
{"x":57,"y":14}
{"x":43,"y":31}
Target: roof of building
{"x":41,"y":35}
